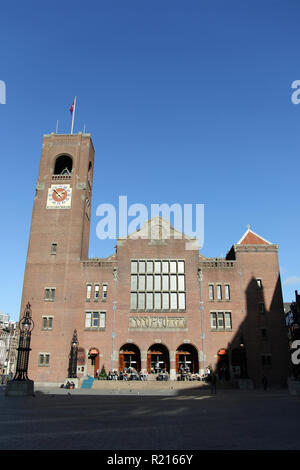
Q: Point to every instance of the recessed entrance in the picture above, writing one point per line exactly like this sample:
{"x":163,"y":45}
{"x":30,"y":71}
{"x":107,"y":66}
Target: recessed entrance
{"x":223,"y":365}
{"x":130,"y":356}
{"x":158,"y":358}
{"x":187,"y":358}
{"x":93,"y":362}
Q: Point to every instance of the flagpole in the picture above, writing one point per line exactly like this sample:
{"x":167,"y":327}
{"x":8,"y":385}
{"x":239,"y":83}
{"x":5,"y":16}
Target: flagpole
{"x":73,"y":115}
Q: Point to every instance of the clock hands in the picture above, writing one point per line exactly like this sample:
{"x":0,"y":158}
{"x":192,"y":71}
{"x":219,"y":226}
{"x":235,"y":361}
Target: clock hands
{"x":60,"y":195}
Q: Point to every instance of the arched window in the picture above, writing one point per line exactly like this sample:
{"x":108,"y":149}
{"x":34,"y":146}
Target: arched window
{"x":63,"y":165}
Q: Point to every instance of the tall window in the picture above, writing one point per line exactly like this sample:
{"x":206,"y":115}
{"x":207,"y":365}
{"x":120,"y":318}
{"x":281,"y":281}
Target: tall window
{"x":88,"y":291}
{"x":219,"y":292}
{"x":157,"y":285}
{"x":211,"y":291}
{"x":104,"y":291}
{"x":227,"y":292}
{"x":47,"y":323}
{"x":261,"y":307}
{"x":97,"y":288}
{"x":44,"y":359}
{"x":53,"y":248}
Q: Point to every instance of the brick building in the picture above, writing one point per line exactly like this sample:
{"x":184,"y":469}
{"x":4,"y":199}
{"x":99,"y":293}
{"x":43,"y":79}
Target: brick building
{"x":155,"y":301}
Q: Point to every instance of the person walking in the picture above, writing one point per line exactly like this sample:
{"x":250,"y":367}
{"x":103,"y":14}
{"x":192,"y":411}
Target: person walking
{"x":213,"y":383}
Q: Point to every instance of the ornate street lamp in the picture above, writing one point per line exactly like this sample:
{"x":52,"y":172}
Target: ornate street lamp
{"x":21,"y":384}
{"x":72,"y":373}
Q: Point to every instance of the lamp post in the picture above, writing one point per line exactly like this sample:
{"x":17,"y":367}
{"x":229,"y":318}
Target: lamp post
{"x":72,"y":373}
{"x":21,"y":385}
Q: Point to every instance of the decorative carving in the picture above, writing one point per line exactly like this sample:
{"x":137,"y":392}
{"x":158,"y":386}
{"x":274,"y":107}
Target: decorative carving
{"x":157,"y":323}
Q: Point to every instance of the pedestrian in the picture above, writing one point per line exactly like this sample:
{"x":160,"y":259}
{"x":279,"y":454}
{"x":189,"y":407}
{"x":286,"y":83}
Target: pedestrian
{"x":213,"y":381}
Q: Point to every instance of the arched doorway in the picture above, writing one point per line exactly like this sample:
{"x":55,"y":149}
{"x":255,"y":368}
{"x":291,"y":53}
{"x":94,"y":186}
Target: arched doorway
{"x":187,"y":358}
{"x":129,"y":356}
{"x":158,"y":358}
{"x":223,"y":365}
{"x":93,"y":362}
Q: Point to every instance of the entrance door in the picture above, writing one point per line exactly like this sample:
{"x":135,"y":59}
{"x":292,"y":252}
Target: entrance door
{"x":223,"y":365}
{"x":158,"y":358}
{"x":187,"y":358}
{"x":130,"y":356}
{"x":93,"y":362}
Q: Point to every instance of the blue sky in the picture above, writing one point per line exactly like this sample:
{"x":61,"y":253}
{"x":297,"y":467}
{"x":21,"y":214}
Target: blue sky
{"x":186,"y":101}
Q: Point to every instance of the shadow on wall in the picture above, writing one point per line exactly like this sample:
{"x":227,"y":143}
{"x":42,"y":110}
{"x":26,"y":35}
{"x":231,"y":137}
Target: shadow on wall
{"x":260,"y":346}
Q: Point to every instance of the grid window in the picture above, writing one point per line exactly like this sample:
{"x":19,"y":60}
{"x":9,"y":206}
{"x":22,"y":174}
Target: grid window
{"x":165,"y":283}
{"x":141,"y":298}
{"x":157,"y":285}
{"x":228,"y":324}
{"x":50,"y":294}
{"x":220,"y":318}
{"x":220,"y":321}
{"x":181,"y":301}
{"x":133,"y":301}
{"x":95,"y":320}
{"x":47,"y":323}
{"x":134,"y":267}
{"x":213,"y":321}
{"x":150,"y":282}
{"x":157,"y":301}
{"x":149,"y":266}
{"x":44,"y":359}
{"x":166,"y":301}
{"x":149,"y":301}
{"x":142,"y":282}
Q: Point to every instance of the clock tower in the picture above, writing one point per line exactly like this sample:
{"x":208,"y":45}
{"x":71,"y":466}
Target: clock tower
{"x":62,"y":203}
{"x":59,"y":238}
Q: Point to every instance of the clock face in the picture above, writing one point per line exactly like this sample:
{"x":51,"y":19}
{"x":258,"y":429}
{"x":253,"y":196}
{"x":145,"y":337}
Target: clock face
{"x":59,"y":196}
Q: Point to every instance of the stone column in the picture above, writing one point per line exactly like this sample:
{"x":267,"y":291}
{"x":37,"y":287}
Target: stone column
{"x":144,"y":360}
{"x":173,"y":365}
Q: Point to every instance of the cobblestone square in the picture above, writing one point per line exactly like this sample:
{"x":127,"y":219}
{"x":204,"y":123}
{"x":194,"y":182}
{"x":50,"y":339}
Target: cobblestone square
{"x":189,"y":419}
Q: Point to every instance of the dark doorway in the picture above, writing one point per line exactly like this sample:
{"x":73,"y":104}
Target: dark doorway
{"x":223,"y":365}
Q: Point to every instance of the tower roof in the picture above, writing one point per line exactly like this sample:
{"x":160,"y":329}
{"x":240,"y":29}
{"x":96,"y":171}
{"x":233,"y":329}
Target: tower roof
{"x":252,"y":238}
